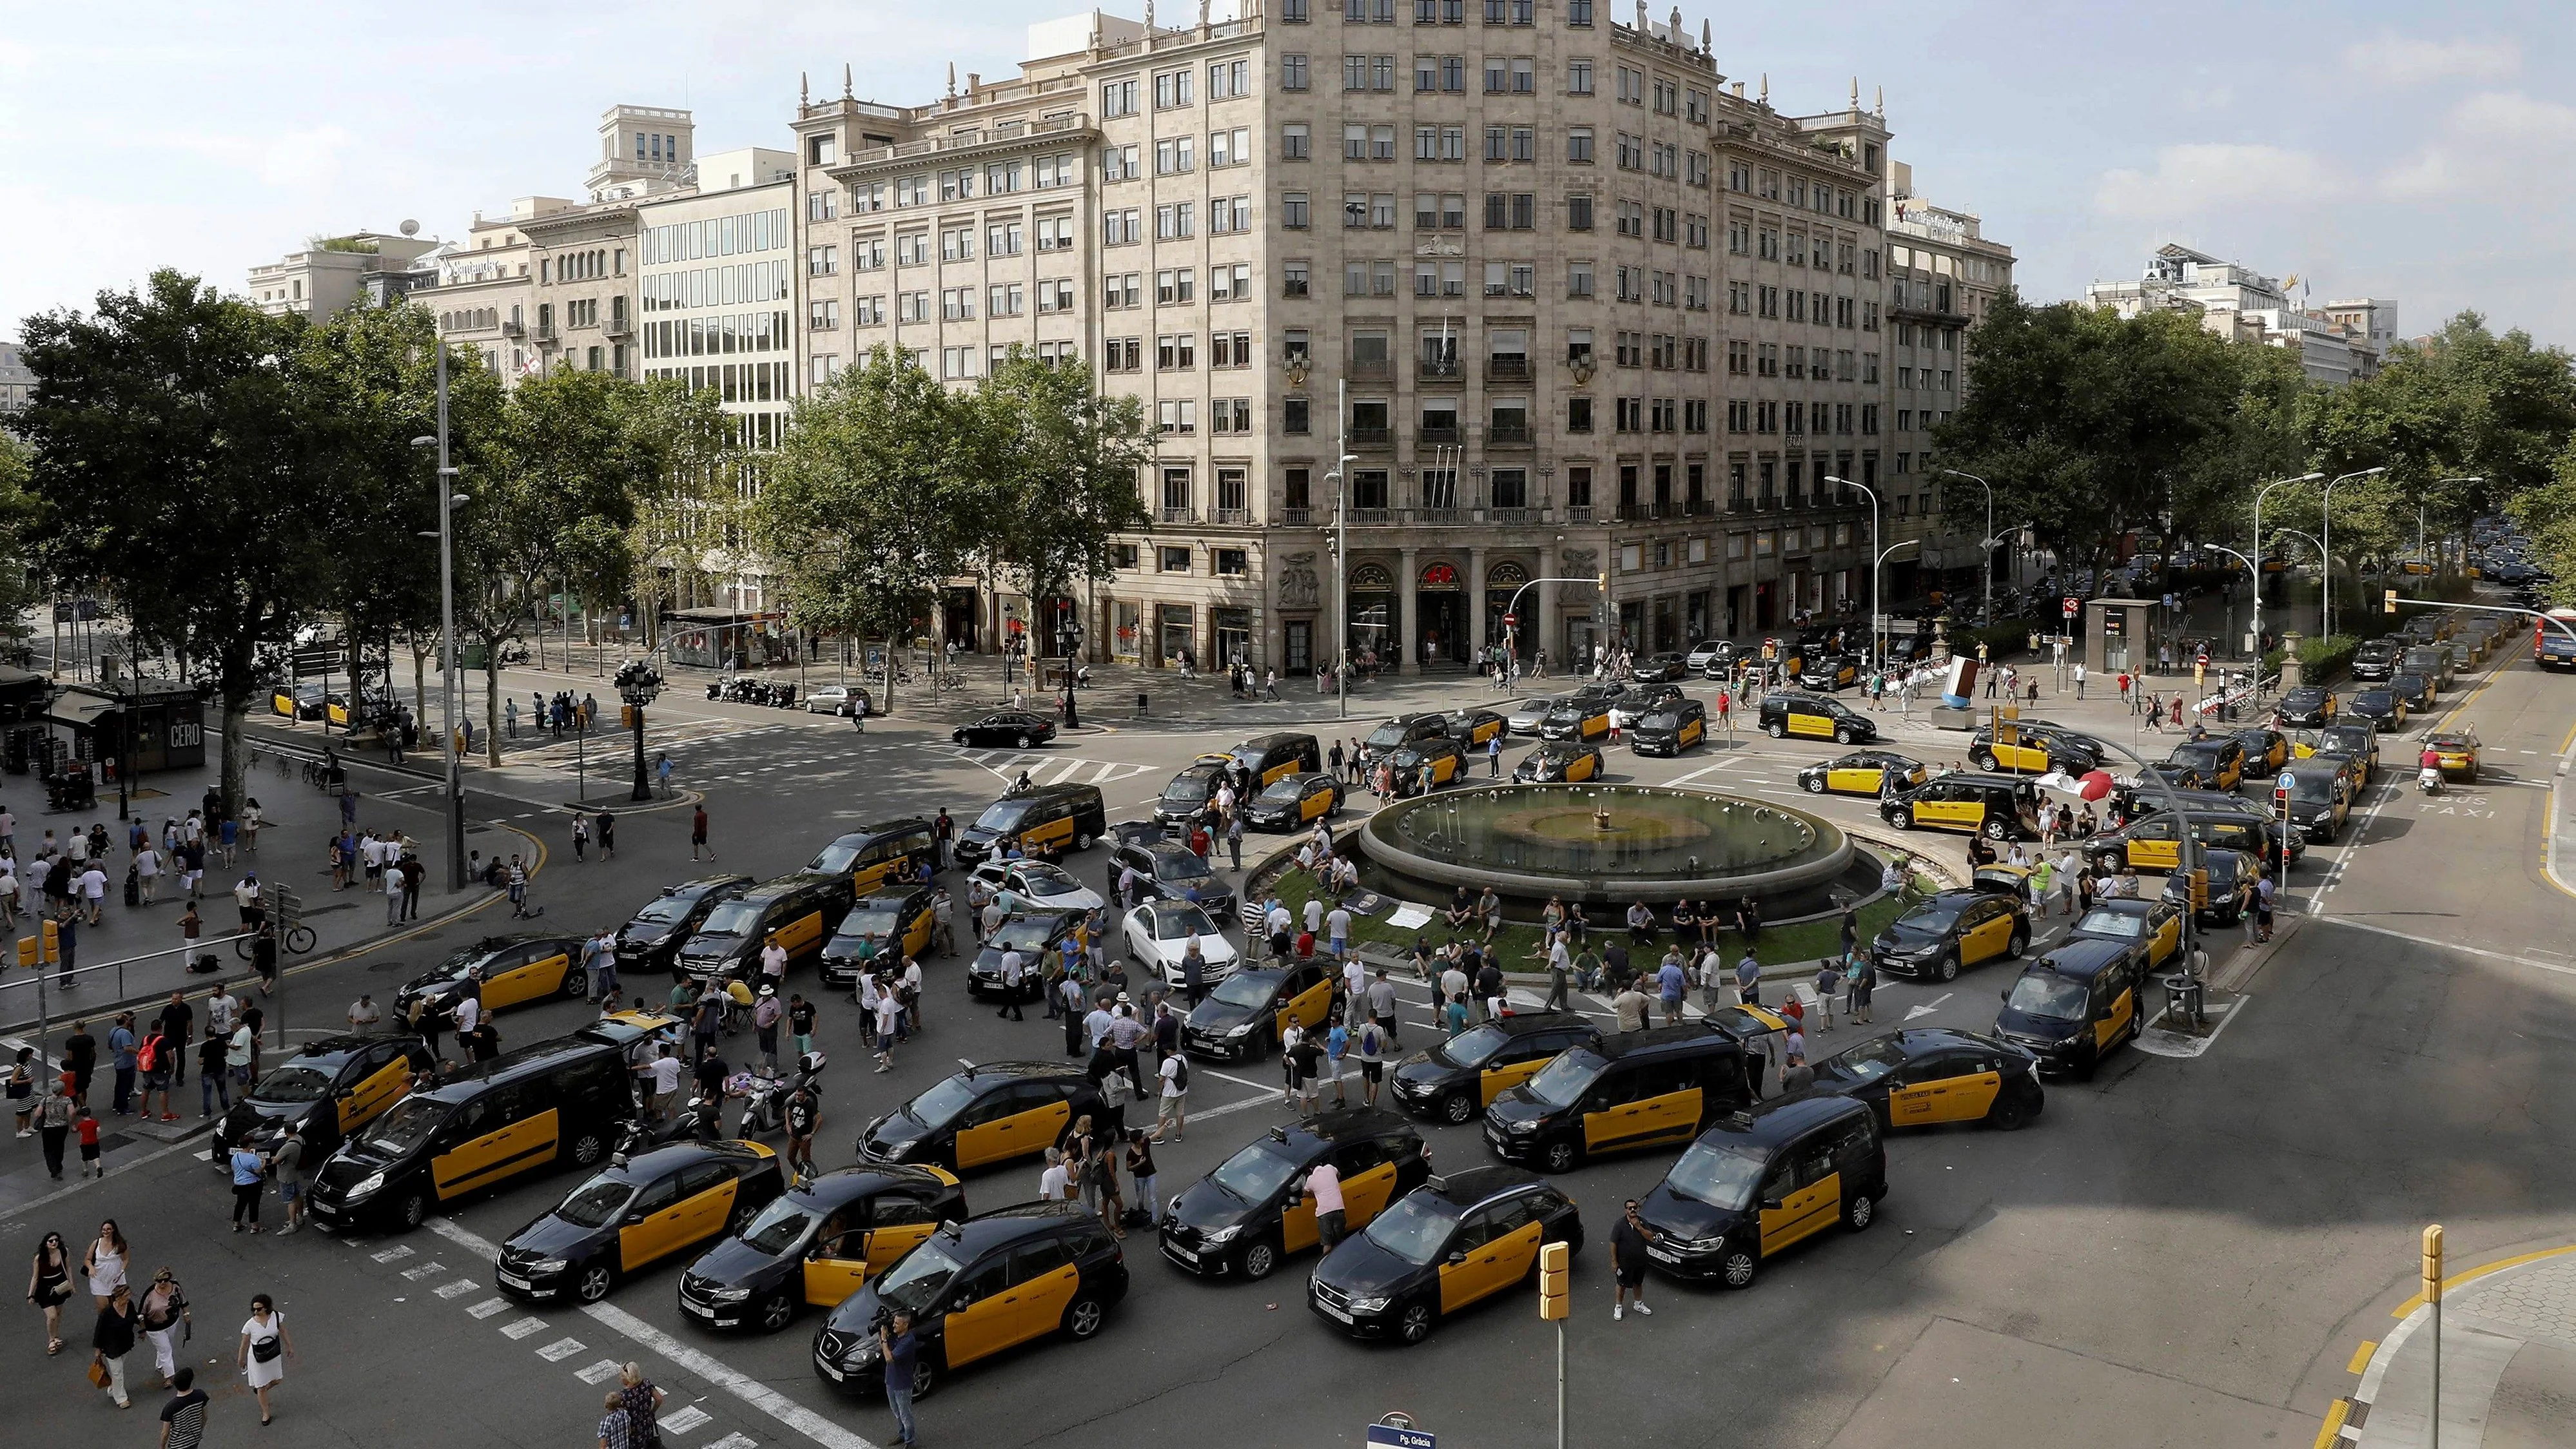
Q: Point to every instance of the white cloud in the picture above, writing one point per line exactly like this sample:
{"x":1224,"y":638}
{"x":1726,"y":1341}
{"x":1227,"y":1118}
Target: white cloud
{"x":2397,"y":60}
{"x":2194,"y":179}
{"x":2484,"y":144}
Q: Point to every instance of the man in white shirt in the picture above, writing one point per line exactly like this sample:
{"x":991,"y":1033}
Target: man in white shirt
{"x":1172,"y":1109}
{"x":364,"y":1013}
{"x":1314,"y":915}
{"x":1338,"y":930}
{"x":1453,"y":983}
{"x":221,"y":1008}
{"x":661,"y":1083}
{"x":773,"y":962}
{"x":1054,"y":1184}
{"x":1011,"y":974}
{"x":147,"y":870}
{"x":469,"y":1014}
{"x":93,"y":888}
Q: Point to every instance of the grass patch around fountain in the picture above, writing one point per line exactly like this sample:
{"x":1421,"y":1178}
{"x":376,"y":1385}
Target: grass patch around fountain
{"x":1780,"y":947}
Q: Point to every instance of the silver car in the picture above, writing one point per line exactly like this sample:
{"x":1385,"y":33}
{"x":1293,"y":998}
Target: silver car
{"x":838,"y":699}
{"x":1525,"y":716}
{"x":1038,"y":884}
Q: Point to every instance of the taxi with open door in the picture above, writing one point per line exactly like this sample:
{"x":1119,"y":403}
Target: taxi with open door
{"x":1253,"y":1210}
{"x":1760,"y":1182}
{"x":977,"y":1288}
{"x":816,"y":1243}
{"x":505,"y":971}
{"x":1447,"y":1245}
{"x":1455,"y":1080}
{"x":890,"y":852}
{"x":1787,"y":713}
{"x":330,"y":1088}
{"x":2075,"y":1005}
{"x":1863,"y":772}
{"x":2028,"y":747}
{"x":1951,"y":930}
{"x":1559,"y":760}
{"x":1634,"y":1090}
{"x":1998,"y":807}
{"x":1250,"y":1011}
{"x":1292,"y":802}
{"x":2266,"y":749}
{"x":984,"y":1114}
{"x":1921,"y":1077}
{"x":634,"y":1213}
{"x":1271,"y":758}
{"x":2153,"y":926}
{"x":2218,"y":761}
{"x":800,"y":912}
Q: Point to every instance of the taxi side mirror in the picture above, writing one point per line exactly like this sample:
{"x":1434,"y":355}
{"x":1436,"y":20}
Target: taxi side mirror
{"x":2005,"y":994}
{"x":1772,"y":1204}
{"x":1456,"y":1258}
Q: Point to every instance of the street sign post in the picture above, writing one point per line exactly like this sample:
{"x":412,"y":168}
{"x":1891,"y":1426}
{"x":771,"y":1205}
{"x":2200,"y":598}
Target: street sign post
{"x":2071,"y":605}
{"x":1402,"y":1436}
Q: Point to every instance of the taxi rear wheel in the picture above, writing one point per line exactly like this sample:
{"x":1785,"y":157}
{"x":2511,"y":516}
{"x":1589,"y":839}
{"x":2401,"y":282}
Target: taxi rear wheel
{"x":1995,"y":830}
{"x":1083,"y":1317}
{"x":595,"y":1281}
{"x":1259,"y":1259}
{"x":1414,"y":1324}
{"x":588,"y":1148}
{"x":1736,"y":1267}
{"x":1859,"y":1211}
{"x":1775,"y":729}
{"x":1985,"y":760}
{"x":775,"y":1311}
{"x":576,"y":984}
{"x":2019,"y":943}
{"x":1455,"y":1109}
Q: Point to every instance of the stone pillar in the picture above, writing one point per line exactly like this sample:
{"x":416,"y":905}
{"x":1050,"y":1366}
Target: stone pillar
{"x":2291,"y":678}
{"x":1544,"y":597}
{"x":1408,"y":588}
{"x":1474,"y":623}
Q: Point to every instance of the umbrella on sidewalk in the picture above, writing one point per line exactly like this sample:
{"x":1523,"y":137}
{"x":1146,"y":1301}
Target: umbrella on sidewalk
{"x":2092,"y":785}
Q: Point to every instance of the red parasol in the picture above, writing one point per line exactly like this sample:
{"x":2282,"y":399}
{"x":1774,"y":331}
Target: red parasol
{"x":2095,"y":785}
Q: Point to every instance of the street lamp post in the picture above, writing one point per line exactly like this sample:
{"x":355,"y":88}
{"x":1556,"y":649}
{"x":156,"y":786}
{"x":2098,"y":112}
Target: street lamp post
{"x":1342,"y":553}
{"x":450,"y":685}
{"x":1875,"y":562}
{"x":2325,"y":617}
{"x":2325,"y":566}
{"x":638,"y":683}
{"x":2258,"y":554}
{"x":1985,"y":550}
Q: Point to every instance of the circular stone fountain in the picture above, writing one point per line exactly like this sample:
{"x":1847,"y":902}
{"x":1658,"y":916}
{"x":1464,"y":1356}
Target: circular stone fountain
{"x":1604,"y":845}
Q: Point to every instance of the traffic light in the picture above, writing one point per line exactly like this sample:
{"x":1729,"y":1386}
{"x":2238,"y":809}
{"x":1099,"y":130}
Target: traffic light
{"x":1555,"y":1281}
{"x":53,"y":943}
{"x":2431,"y":1286}
{"x":2388,"y":599}
{"x":27,"y":953}
{"x":2200,"y":889}
{"x":626,"y":716}
{"x":1602,"y":582}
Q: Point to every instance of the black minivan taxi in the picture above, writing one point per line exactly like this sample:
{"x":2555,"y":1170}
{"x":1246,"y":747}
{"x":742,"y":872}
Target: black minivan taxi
{"x":330,"y":1088}
{"x":1451,"y":1243}
{"x":890,"y":852}
{"x":1191,"y":792}
{"x":1043,"y":823}
{"x":1273,"y":757}
{"x":799,"y":911}
{"x":1635,"y":1089}
{"x":2073,"y":1005}
{"x":634,"y":1213}
{"x":1759,"y":1182}
{"x":817,"y":1243}
{"x":1669,"y":728}
{"x":650,"y":940}
{"x":976,"y":1288}
{"x":1253,"y":1209}
{"x":553,"y":1102}
{"x":984,"y":1113}
{"x":1453,"y":1080}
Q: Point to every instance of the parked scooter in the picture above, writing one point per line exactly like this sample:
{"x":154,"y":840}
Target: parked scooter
{"x":764,"y":1107}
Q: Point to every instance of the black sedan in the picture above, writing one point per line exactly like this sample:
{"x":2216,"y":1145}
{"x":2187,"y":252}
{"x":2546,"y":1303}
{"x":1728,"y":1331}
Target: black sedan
{"x":1660,"y":669}
{"x":1292,"y":801}
{"x":2381,"y":707}
{"x":2307,"y":706}
{"x":650,"y":940}
{"x":1167,"y":870}
{"x":1472,"y":728}
{"x":1017,"y":728}
{"x":636,"y":1213}
{"x":1454,"y":1241}
{"x":818,"y":1243}
{"x":2414,"y":690}
{"x":1559,"y":760}
{"x":330,"y":1088}
{"x":1925,"y":1076}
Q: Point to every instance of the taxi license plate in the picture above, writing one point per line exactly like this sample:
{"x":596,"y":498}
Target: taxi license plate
{"x":512,"y":1279}
{"x":1184,"y":1254}
{"x":831,"y":1372}
{"x":1494,"y":1137}
{"x":1341,"y":1314}
{"x":1662,"y":1255}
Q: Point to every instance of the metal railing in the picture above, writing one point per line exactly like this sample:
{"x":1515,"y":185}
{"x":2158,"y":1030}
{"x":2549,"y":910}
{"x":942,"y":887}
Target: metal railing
{"x":51,"y":976}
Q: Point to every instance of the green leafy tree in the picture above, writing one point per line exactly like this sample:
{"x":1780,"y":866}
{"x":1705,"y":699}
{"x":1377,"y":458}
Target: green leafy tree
{"x":18,"y":580}
{"x":188,"y":467}
{"x":867,"y":507}
{"x":695,"y":501}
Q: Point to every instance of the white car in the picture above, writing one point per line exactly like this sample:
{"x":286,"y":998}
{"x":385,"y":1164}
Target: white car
{"x":839,"y":699}
{"x":1039,"y":885}
{"x":1159,"y":934}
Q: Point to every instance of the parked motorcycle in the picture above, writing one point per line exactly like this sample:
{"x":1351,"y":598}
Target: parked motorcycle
{"x":764,"y":1106}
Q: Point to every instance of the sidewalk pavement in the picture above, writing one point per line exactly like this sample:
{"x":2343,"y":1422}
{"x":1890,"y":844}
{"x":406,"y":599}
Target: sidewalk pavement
{"x":2508,"y":1342}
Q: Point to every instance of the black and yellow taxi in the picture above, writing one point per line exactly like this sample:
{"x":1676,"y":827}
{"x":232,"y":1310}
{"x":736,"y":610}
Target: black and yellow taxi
{"x":298,"y":701}
{"x":1669,"y":728}
{"x":800,"y":912}
{"x":1758,"y":1183}
{"x":504,"y":971}
{"x":1031,"y":933}
{"x":2315,"y":795}
{"x":2180,"y":777}
{"x":1828,"y":672}
{"x":651,"y":938}
{"x":634,"y":1213}
{"x":1581,"y":718}
{"x":1397,"y":731}
{"x":889,"y":852}
{"x":1454,"y":1080}
{"x":2025,"y":747}
{"x":1254,"y":1210}
{"x":1042,"y":822}
{"x":976,"y":1288}
{"x":1447,"y":1245}
{"x":555,"y":1102}
{"x":1785,"y":713}
{"x":2154,"y":842}
{"x":983,"y":1114}
{"x":2309,"y":704}
{"x":2229,"y":870}
{"x":2266,"y":749}
{"x":1633,"y":1090}
{"x":1267,"y":759}
{"x":2345,"y":767}
{"x":1998,"y":807}
{"x":2003,"y":878}
{"x":331,"y":1087}
{"x":1248,"y":1012}
{"x":1294,"y":801}
{"x":1559,"y":760}
{"x":1438,"y":756}
{"x":2381,"y":707}
{"x":2358,"y":738}
{"x":1191,"y":792}
{"x":2075,"y":1005}
{"x":1952,"y":929}
{"x":1924,"y":1076}
{"x":1863,"y":772}
{"x":882,"y":928}
{"x":2218,"y":761}
{"x":816,"y":1243}
{"x":2456,"y":751}
{"x":1473,"y":728}
{"x":2153,"y":926}
{"x":2417,"y":689}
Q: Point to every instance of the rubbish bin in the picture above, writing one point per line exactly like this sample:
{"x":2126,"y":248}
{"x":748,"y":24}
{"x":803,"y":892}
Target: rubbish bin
{"x":1140,"y":704}
{"x":2186,"y":993}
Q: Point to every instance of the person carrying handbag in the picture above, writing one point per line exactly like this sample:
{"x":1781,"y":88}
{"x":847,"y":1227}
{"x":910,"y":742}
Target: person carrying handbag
{"x":110,"y":1342}
{"x":164,"y":1313}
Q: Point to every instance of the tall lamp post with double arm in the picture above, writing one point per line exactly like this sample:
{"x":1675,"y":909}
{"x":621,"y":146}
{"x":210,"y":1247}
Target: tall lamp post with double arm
{"x":638,"y":684}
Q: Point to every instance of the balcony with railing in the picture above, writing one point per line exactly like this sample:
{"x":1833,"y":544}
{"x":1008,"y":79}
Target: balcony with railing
{"x":1232,"y":517}
{"x":1297,"y":517}
{"x":1372,"y":437}
{"x":1436,"y":433}
{"x":1437,"y":369}
{"x":1171,"y":514}
{"x":1507,"y":369}
{"x":1507,"y":434}
{"x":1372,"y":367}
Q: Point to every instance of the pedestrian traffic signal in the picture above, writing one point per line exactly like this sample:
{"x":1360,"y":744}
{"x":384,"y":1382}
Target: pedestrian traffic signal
{"x":2431,"y":1286}
{"x":626,"y":716}
{"x":27,"y":953}
{"x":2200,"y":889}
{"x":2390,"y":598}
{"x":1602,"y":581}
{"x":1555,"y":1281}
{"x":53,"y":942}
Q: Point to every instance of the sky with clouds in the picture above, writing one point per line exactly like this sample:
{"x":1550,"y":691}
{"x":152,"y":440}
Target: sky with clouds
{"x":2407,"y":151}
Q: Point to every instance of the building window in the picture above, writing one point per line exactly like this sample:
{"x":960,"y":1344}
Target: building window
{"x":1173,"y":560}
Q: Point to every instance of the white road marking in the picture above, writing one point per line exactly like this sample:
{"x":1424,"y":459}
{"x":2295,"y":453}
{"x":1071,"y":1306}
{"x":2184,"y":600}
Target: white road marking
{"x":734,"y":1441}
{"x":1929,"y":1007}
{"x":393,"y":1255}
{"x":560,"y":1349}
{"x":524,"y":1326}
{"x":459,"y":1288}
{"x":2505,"y":956}
{"x":424,"y":1270}
{"x":488,"y":1307}
{"x":600,"y":1372}
{"x":683,"y":1419}
{"x":785,"y":1410}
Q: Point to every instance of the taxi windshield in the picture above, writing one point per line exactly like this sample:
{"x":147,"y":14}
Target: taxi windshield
{"x":1662,"y":719}
{"x":407,"y":1124}
{"x":2312,"y":787}
{"x":1386,"y":736}
{"x":1415,"y":1229}
{"x":839,"y":855}
{"x":919,"y":1281}
{"x":871,"y":918}
{"x":596,"y":1203}
{"x":1285,"y":791}
{"x":1871,"y":1060}
{"x":1043,"y":881}
{"x":2112,"y":923}
{"x":1024,"y":934}
{"x":2199,"y":756}
{"x":1254,"y":1173}
{"x":2048,"y":995}
{"x":1179,"y":865}
{"x":1562,"y":1083}
{"x":663,"y":912}
{"x":1249,"y":988}
{"x":733,"y":918}
{"x":293,"y":1084}
{"x":935,"y":1107}
{"x":1933,"y":915}
{"x":1722,"y":1177}
{"x":1191,"y":786}
{"x":1472,"y":1048}
{"x":780,"y":1227}
{"x":1003,"y":816}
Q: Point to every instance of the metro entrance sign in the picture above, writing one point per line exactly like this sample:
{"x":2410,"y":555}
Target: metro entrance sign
{"x":1401,"y":1437}
{"x":2072,"y":605}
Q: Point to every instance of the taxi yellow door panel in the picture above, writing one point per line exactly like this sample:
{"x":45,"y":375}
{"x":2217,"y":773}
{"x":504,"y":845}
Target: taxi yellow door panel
{"x":1039,"y":1304}
{"x":2231,"y":774}
{"x":1364,"y":1195}
{"x":868,"y":877}
{"x":1967,"y":1099}
{"x":1909,"y":1106}
{"x":889,"y":1243}
{"x":1987,"y":938}
{"x":1802,"y":1212}
{"x":1278,"y":772}
{"x":829,"y":1280}
{"x":1856,"y":781}
{"x":1297,"y":1228}
{"x":1498,"y":1080}
{"x":917,"y":939}
{"x":1595,"y":726}
{"x":1306,"y":1008}
{"x":1691,"y":733}
{"x":1017,"y":1135}
{"x":1814,"y":726}
{"x":1053,"y":835}
{"x":374,"y":1093}
{"x":1488,"y":1268}
{"x":2168,"y":939}
{"x":986,"y":1326}
{"x":659,"y":1233}
{"x":703,"y":1215}
{"x":802,"y":933}
{"x":1672,"y":1116}
{"x":1950,"y":814}
{"x":1580,"y":769}
{"x":2147,"y":853}
{"x":2107,"y":1030}
{"x":494,"y":1155}
{"x":535,"y":981}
